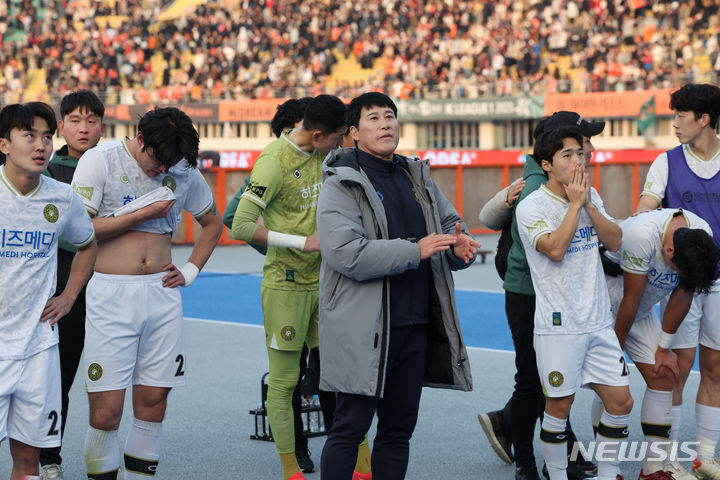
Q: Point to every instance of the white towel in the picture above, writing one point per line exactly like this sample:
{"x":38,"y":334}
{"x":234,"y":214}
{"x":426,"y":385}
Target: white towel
{"x":157,"y":195}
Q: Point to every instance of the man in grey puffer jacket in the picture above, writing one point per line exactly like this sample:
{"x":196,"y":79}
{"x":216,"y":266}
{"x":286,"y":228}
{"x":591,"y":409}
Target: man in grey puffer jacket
{"x":389,"y":239}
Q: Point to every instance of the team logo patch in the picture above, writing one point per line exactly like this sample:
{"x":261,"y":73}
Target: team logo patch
{"x":95,"y":371}
{"x":289,"y":275}
{"x":636,"y":261}
{"x":556,"y":378}
{"x":169,"y":182}
{"x":539,"y":225}
{"x":296,"y":173}
{"x":258,"y":190}
{"x":124,"y":178}
{"x":287,"y":333}
{"x":85,"y":192}
{"x":51,"y":213}
{"x":687,"y":197}
{"x":557,"y":319}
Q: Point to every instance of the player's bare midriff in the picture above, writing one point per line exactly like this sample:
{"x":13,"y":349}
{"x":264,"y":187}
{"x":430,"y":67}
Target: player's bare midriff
{"x":134,"y":253}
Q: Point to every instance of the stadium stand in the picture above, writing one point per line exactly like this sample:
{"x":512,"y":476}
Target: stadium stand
{"x":141,"y":51}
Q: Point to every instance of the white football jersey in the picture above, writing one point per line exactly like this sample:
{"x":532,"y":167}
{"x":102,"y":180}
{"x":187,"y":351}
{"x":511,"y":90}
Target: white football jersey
{"x":30,"y":226}
{"x":108,"y":177}
{"x":641,"y":253}
{"x":571,"y":295}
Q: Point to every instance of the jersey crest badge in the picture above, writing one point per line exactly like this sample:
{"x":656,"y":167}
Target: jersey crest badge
{"x":556,"y":378}
{"x":169,"y":182}
{"x":288,"y":333}
{"x":51,"y":213}
{"x":296,"y":173}
{"x":289,"y":275}
{"x":557,"y":319}
{"x":124,"y":178}
{"x":95,"y":371}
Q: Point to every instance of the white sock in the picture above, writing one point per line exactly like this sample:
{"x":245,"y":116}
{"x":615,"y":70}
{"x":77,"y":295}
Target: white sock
{"x":656,"y":419}
{"x":142,"y":449}
{"x":708,"y":430}
{"x":101,"y":452}
{"x":676,"y":412}
{"x":554,"y":446}
{"x":613,"y":430}
{"x":596,"y":411}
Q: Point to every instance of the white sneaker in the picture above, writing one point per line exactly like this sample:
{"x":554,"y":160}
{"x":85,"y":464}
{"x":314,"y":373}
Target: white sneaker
{"x":52,"y":472}
{"x":677,"y":470}
{"x":707,"y":470}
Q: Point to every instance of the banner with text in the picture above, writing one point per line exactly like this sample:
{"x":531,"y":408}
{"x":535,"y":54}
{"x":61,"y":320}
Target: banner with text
{"x":608,"y":104}
{"x":470,"y":109}
{"x":130,"y":114}
{"x":245,"y":159}
{"x":512,"y":158}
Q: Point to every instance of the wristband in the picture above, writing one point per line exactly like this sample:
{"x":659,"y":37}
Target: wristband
{"x":665,"y":339}
{"x":277,"y":239}
{"x":190,"y":272}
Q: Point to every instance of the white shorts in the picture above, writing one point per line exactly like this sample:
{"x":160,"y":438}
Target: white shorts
{"x":700,"y":325}
{"x":568,"y":362}
{"x":133,"y":333}
{"x":30,"y":399}
{"x":642,"y":340}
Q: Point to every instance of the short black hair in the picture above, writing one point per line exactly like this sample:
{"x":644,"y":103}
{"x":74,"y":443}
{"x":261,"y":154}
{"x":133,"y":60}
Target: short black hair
{"x":551,"y":141}
{"x":288,"y":114}
{"x":171,"y":135}
{"x":698,"y":98}
{"x":368,"y":100}
{"x":325,"y":113}
{"x":696,"y":257}
{"x":565,"y":118}
{"x":81,"y":99}
{"x":21,"y":116}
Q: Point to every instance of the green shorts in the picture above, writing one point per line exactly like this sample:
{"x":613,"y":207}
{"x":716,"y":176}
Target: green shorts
{"x":290,"y":318}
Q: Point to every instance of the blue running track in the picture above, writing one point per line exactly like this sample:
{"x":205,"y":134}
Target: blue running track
{"x":236,"y":298}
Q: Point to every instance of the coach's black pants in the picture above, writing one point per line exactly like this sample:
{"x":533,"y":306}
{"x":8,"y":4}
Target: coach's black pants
{"x":527,"y":402}
{"x":71,"y":329}
{"x":397,"y":413}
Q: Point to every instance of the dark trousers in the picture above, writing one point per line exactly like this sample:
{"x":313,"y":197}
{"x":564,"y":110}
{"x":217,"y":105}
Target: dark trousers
{"x":397,"y":413}
{"x":527,"y":402}
{"x":327,"y":400}
{"x":71,"y":329}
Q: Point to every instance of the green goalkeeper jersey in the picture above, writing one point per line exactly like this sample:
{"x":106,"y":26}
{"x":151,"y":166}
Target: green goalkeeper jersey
{"x":285,"y":182}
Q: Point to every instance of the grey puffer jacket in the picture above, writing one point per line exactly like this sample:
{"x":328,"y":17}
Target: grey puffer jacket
{"x":357,"y":258}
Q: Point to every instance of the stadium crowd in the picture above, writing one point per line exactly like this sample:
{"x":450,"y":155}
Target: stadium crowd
{"x":231,"y":49}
